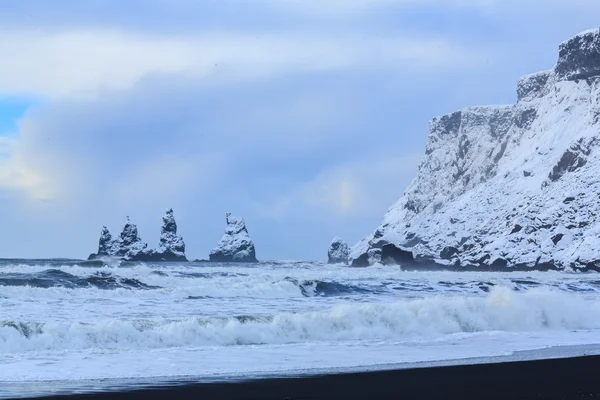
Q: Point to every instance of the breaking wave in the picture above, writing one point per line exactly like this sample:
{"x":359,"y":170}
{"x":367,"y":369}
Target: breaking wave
{"x":500,"y":310}
{"x":56,"y":278}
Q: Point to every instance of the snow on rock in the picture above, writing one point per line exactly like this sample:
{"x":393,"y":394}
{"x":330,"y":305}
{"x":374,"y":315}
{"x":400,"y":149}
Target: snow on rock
{"x":171,"y":246}
{"x":339,"y":252}
{"x":235,"y":245}
{"x":129,"y":246}
{"x":106,"y":245}
{"x":507,"y":186}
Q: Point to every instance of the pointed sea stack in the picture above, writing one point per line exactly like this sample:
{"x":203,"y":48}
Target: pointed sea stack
{"x":129,"y":246}
{"x":171,"y":246}
{"x":235,"y":245}
{"x":339,"y":252}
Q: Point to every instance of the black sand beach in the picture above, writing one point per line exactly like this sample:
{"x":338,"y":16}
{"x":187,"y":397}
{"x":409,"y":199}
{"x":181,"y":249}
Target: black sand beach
{"x":564,"y":378}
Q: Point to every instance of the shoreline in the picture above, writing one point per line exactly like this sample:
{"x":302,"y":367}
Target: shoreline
{"x":550,"y":378}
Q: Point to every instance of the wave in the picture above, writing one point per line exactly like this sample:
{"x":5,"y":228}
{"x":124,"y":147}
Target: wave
{"x":56,"y":278}
{"x":500,"y":310}
{"x":316,"y":288}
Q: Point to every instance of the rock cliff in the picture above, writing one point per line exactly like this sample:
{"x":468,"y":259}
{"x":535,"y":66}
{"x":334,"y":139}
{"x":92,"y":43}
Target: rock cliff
{"x":507,"y":186}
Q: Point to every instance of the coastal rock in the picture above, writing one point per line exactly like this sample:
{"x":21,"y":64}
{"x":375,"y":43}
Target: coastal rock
{"x":579,"y":57}
{"x":171,"y":246}
{"x":107,"y":246}
{"x":507,"y":186}
{"x":235,"y":245}
{"x":338,"y":252}
{"x":129,"y":246}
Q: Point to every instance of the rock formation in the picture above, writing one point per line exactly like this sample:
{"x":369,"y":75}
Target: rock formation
{"x":129,"y":246}
{"x":235,"y":245}
{"x":339,"y":252}
{"x":512,"y":186}
{"x":171,"y":246}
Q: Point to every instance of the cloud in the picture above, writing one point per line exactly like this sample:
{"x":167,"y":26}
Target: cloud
{"x":83,"y":63}
{"x":362,"y":187}
{"x":344,"y":7}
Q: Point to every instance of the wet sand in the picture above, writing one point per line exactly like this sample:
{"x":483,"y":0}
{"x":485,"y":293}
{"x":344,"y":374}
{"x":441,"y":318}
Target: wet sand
{"x":562,"y":378}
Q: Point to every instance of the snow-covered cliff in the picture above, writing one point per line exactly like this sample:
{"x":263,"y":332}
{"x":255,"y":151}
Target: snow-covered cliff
{"x":508,"y":186}
{"x":235,"y":245}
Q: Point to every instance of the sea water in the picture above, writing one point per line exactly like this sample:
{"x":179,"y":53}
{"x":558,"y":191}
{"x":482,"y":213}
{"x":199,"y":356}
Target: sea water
{"x":64,"y":322}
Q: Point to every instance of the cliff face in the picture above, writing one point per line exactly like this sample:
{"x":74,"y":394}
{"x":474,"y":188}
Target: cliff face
{"x":510,"y":186}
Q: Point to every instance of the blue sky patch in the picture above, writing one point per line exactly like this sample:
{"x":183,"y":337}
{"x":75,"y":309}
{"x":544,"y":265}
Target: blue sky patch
{"x":11,"y":110}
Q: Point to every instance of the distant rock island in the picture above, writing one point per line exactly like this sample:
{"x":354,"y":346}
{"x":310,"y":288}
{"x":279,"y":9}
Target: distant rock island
{"x":235,"y":245}
{"x":339,"y":252}
{"x":129,"y":246}
{"x":513,"y":186}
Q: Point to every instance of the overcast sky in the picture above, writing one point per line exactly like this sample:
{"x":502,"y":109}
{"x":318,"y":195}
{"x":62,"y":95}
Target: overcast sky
{"x":306,"y":117}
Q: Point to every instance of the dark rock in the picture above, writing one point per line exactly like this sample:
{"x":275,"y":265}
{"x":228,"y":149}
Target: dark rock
{"x":391,"y":254}
{"x":579,"y":57}
{"x":569,"y":200}
{"x":557,"y":238}
{"x":525,"y":118}
{"x":516,"y":229}
{"x":572,"y":159}
{"x":448,"y":253}
{"x":339,"y":252}
{"x":361,"y":261}
{"x":532,"y":86}
{"x":235,"y":245}
{"x":171,"y":246}
{"x":106,"y":245}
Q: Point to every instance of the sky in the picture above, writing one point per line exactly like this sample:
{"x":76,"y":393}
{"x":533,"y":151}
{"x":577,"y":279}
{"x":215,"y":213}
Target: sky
{"x":306,"y":117}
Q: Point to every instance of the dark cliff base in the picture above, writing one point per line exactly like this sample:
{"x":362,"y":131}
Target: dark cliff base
{"x":151,"y":257}
{"x":392,"y":255}
{"x":570,"y":378}
{"x":229,"y":259}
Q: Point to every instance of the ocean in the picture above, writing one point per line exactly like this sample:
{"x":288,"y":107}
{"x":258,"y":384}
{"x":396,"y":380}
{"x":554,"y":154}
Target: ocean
{"x":68,"y":325}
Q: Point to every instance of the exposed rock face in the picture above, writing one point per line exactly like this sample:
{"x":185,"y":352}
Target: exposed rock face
{"x":129,"y":246}
{"x":235,"y":245}
{"x":107,"y":245}
{"x":171,"y":246}
{"x":339,"y":252}
{"x":510,"y":186}
{"x":579,"y":57}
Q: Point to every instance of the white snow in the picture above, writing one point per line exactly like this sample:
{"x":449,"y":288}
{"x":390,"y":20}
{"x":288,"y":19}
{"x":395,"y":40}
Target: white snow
{"x":487,"y":170}
{"x":235,"y":245}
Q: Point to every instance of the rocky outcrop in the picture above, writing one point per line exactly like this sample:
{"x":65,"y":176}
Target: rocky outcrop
{"x":171,"y":246}
{"x":339,"y":252}
{"x":129,"y":246}
{"x":507,"y":187}
{"x":235,"y":245}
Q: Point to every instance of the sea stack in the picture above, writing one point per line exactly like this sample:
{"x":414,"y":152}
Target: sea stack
{"x":129,"y":246}
{"x":507,"y":186}
{"x":171,"y":246}
{"x":235,"y":245}
{"x":339,"y":252}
